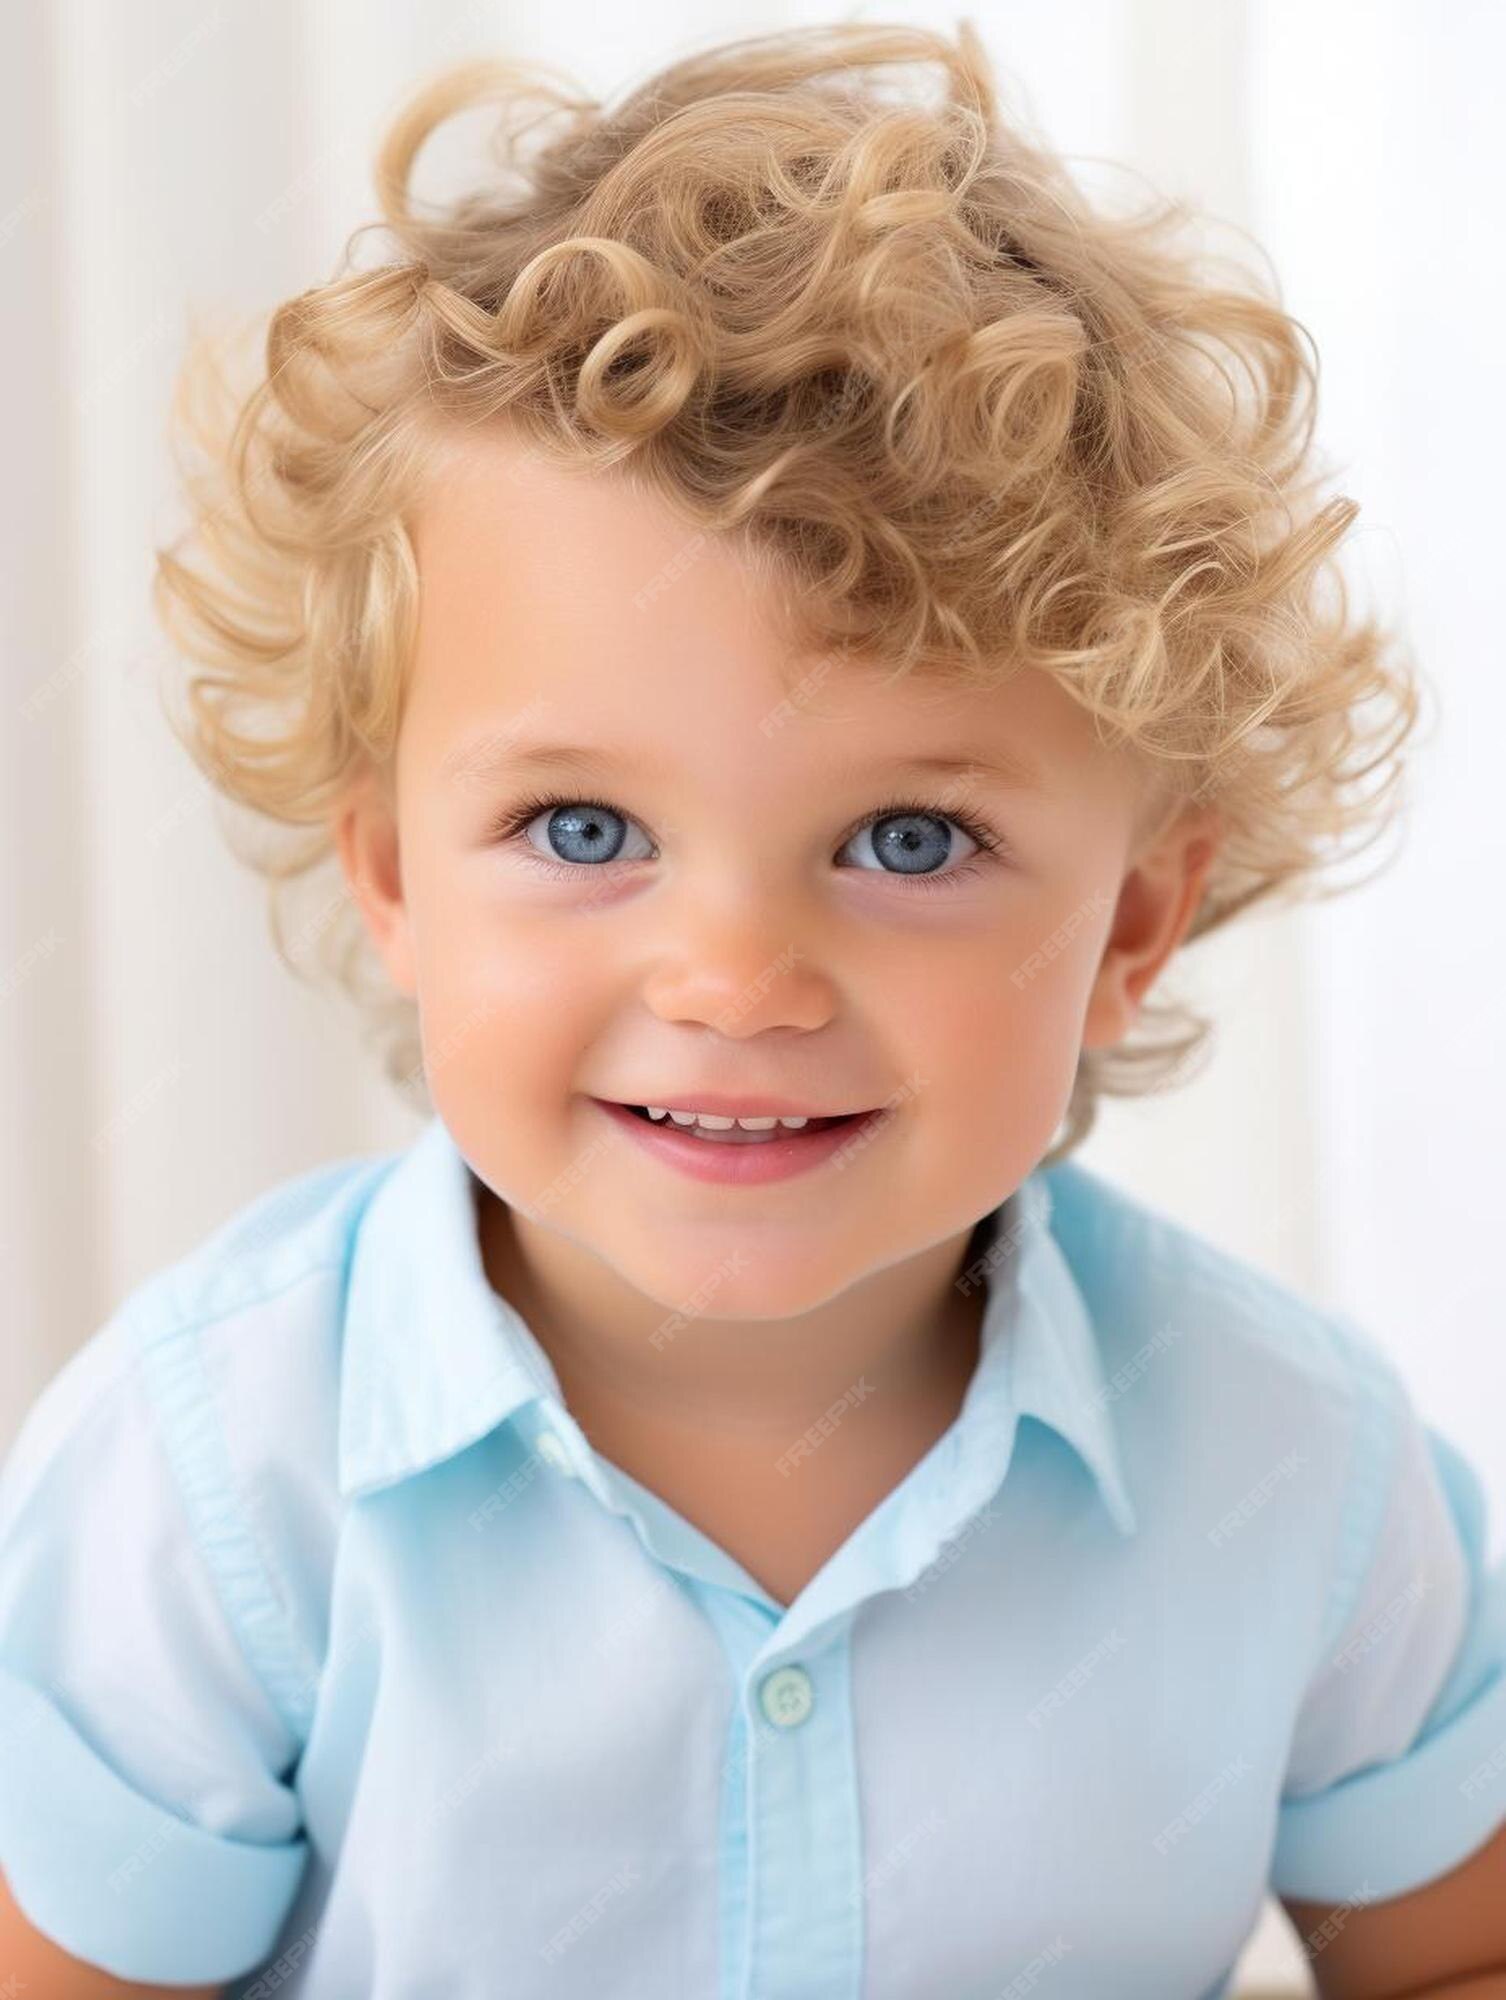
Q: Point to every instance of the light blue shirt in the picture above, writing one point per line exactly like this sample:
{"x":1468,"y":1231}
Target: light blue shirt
{"x":335,"y":1662}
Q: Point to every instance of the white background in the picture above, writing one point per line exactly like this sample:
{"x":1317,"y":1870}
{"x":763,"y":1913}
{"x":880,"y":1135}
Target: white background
{"x":158,"y":1067}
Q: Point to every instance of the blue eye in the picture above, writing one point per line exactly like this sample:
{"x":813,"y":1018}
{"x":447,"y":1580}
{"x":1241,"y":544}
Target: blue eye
{"x":914,"y":838}
{"x":583,"y":831}
{"x":912,"y":835}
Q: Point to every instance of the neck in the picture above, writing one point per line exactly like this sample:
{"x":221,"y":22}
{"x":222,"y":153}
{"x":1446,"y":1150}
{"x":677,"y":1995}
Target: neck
{"x":900,"y":1343}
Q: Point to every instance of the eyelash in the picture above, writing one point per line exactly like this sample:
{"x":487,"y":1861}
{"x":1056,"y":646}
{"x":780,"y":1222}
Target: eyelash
{"x":513,"y":824}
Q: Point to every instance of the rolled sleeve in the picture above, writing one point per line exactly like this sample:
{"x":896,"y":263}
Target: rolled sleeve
{"x":147,"y":1824}
{"x":1397,"y":1771}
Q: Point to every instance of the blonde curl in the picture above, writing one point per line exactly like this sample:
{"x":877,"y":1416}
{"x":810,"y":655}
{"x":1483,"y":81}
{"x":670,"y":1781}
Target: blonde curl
{"x":971,"y":422}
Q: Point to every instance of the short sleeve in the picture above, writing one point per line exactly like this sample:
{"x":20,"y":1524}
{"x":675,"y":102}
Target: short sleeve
{"x":1397,"y":1768}
{"x":147,"y":1824}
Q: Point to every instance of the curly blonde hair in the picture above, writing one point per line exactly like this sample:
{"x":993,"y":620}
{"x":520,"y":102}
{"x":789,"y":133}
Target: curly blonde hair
{"x":966,"y":419}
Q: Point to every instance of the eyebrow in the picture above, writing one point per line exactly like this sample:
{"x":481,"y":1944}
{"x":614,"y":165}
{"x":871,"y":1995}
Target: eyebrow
{"x":489,"y":757}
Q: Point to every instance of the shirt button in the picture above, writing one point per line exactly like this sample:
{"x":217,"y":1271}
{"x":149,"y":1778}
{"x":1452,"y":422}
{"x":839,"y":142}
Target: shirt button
{"x":552,"y":1450}
{"x":786,"y":1696}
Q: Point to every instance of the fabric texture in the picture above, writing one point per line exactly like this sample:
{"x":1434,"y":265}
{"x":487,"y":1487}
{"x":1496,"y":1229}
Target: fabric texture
{"x":334,"y":1661}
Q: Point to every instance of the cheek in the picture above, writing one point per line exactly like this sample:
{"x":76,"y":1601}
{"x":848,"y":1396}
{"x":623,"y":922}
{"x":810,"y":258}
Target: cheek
{"x":999,"y":1028}
{"x":498,"y":996}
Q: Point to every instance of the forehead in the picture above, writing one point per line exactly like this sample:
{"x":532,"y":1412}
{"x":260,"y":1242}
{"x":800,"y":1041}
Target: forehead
{"x":578,"y":608}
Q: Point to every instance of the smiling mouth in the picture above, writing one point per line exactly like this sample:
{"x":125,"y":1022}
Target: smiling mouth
{"x":737,"y":1135}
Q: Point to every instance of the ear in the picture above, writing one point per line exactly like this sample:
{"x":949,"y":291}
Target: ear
{"x":364,"y":830}
{"x":1158,"y":900}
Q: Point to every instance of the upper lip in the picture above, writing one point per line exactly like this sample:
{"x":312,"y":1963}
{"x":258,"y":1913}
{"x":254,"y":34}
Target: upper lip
{"x":722,"y":1106}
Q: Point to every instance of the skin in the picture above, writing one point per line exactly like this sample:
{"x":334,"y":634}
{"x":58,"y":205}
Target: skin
{"x":33,"y":1967}
{"x":755,"y":941}
{"x":1447,"y":1938}
{"x":744,"y":939}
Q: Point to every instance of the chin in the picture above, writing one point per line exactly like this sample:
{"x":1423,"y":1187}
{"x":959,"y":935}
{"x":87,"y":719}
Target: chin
{"x":735,"y":1280}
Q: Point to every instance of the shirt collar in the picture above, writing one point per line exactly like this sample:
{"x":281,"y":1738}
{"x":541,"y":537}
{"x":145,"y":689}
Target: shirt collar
{"x":434,"y":1358}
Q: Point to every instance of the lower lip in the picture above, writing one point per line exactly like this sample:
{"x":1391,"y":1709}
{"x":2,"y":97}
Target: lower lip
{"x":732,"y":1164}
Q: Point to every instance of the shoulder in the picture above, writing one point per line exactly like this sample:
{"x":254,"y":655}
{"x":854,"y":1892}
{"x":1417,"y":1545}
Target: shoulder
{"x":299,"y":1229}
{"x":249,"y":1323}
{"x":222,"y":1367}
{"x":173,"y":1486}
{"x":1301,"y":1509}
{"x":1265,"y":1419}
{"x":289,"y":1236}
{"x":1139,"y":1267}
{"x":199,"y":1422}
{"x":257,"y":1301}
{"x":240,"y":1343}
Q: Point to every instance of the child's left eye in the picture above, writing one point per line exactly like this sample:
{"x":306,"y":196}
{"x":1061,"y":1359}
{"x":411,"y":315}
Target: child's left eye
{"x":909,"y":827}
{"x":912,"y":829}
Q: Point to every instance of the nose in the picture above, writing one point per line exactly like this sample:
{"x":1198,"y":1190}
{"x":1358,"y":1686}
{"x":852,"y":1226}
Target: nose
{"x":740,"y":969}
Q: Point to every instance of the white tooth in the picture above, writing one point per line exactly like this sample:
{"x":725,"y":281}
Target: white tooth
{"x":715,"y":1123}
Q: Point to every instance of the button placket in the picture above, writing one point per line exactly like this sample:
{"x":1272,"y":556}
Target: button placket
{"x":802,"y":1864}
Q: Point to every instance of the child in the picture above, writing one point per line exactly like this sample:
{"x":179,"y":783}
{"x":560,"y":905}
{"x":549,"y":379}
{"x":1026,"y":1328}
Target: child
{"x":779,"y":610}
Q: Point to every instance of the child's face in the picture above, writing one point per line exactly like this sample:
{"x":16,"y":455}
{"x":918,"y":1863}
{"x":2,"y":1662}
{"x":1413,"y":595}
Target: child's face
{"x":751,"y":935}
